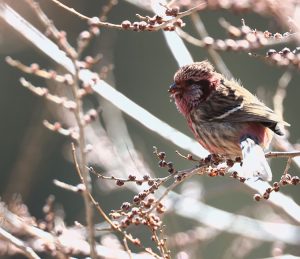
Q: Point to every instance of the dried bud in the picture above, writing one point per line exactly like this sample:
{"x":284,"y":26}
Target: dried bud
{"x":142,"y":25}
{"x":56,"y":126}
{"x":136,"y":199}
{"x":277,"y":36}
{"x":271,"y":52}
{"x":242,"y":179}
{"x":120,"y":182}
{"x":146,"y":177}
{"x":266,"y":195}
{"x":162,"y":155}
{"x":178,"y":23}
{"x":229,"y":163}
{"x":269,"y":190}
{"x":125,"y":206}
{"x":162,"y":163}
{"x":142,"y":195}
{"x":172,"y":12}
{"x":81,"y":187}
{"x":85,"y":35}
{"x":131,"y":177}
{"x":34,"y":67}
{"x":295,"y":180}
{"x":136,"y":26}
{"x":171,"y":170}
{"x":208,"y":41}
{"x":150,"y":182}
{"x":170,"y":164}
{"x":137,"y":242}
{"x":189,"y":157}
{"x":285,"y":51}
{"x":175,"y":11}
{"x":234,"y":174}
{"x":94,"y":21}
{"x":126,"y":24}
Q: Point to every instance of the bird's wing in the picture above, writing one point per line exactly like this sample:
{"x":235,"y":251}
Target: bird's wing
{"x":237,"y":104}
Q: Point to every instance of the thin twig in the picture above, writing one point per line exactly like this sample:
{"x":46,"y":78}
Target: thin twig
{"x":58,"y":36}
{"x":127,"y":248}
{"x":68,"y":187}
{"x":118,"y":26}
{"x":288,"y":165}
{"x":28,"y":251}
{"x":289,"y":154}
{"x":43,"y":92}
{"x":71,"y":10}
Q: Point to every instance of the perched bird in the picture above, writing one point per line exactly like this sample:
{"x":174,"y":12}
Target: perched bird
{"x":226,"y":118}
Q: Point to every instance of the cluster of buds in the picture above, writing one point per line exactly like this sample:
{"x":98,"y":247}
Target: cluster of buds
{"x":86,"y":36}
{"x":286,"y":179}
{"x":164,"y":164}
{"x":90,"y":116}
{"x":250,"y":39}
{"x":72,"y":132}
{"x":152,"y":182}
{"x":48,"y":222}
{"x":236,"y":176}
{"x":284,"y":57}
{"x":148,"y":23}
{"x":131,"y":214}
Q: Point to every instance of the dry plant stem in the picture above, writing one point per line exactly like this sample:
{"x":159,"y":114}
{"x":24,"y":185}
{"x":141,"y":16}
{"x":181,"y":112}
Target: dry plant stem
{"x":127,"y":248}
{"x":117,"y":26}
{"x":57,"y":128}
{"x":100,"y":176}
{"x":161,"y":246}
{"x":28,"y":251}
{"x":217,"y":59}
{"x":288,"y":165}
{"x":81,"y":167}
{"x":100,"y":210}
{"x":51,"y":28}
{"x":30,"y":70}
{"x":71,"y":10}
{"x":288,"y":154}
{"x":40,"y":91}
{"x":66,"y":186}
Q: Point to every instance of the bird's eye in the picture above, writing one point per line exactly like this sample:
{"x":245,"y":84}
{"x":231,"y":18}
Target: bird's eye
{"x":190,"y":82}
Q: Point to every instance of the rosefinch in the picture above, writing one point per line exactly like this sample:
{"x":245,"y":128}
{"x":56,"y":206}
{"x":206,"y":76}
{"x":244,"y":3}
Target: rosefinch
{"x":226,"y":118}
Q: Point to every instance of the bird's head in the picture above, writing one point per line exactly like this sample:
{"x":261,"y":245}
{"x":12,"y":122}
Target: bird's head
{"x":193,"y":85}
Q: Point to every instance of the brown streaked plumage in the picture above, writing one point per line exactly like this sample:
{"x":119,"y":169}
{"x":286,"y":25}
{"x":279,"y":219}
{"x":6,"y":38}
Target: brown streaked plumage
{"x":224,"y":116}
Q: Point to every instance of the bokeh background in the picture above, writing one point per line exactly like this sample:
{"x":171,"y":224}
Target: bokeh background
{"x":31,"y":156}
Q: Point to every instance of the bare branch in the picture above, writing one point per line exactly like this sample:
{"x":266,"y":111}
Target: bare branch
{"x":28,"y":251}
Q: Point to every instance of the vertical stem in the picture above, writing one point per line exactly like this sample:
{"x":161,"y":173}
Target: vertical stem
{"x":78,"y":112}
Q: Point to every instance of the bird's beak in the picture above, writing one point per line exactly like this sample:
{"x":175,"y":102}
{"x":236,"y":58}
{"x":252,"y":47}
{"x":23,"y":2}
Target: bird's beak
{"x":173,"y":88}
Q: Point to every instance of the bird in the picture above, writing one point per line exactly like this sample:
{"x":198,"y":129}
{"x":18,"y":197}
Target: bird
{"x":225,"y":118}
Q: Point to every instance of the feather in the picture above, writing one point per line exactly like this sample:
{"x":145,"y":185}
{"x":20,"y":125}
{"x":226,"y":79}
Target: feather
{"x":233,"y":103}
{"x":254,"y":161}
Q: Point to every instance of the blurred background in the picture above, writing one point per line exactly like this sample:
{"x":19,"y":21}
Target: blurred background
{"x":143,"y":68}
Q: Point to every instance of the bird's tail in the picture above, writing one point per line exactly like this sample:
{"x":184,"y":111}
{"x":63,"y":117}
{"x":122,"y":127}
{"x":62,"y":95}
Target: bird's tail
{"x":254,"y":161}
